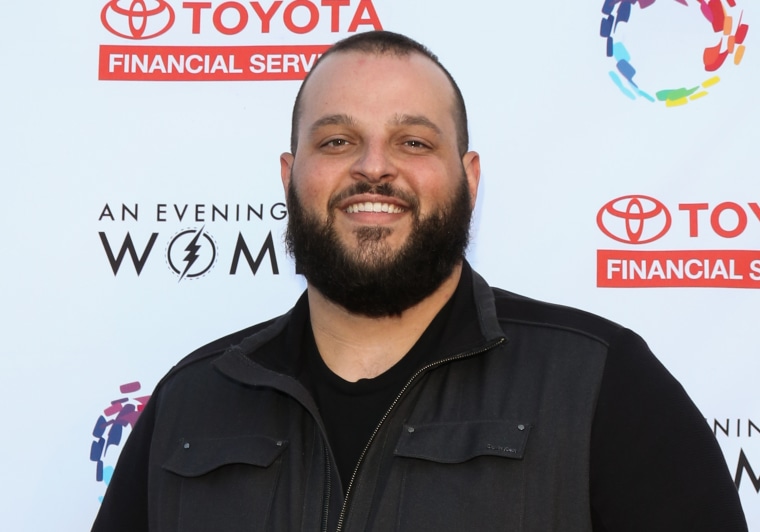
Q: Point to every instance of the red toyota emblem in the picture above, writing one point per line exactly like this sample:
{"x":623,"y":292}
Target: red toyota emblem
{"x":137,"y":19}
{"x":634,"y":219}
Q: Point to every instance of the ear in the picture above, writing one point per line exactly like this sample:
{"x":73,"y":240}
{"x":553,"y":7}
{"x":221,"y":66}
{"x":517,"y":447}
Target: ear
{"x":471,"y":165}
{"x":286,"y":169}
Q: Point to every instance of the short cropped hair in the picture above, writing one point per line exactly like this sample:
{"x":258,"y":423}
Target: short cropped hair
{"x":382,"y":43}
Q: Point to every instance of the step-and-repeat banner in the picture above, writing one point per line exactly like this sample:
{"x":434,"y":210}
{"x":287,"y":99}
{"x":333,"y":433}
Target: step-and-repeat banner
{"x":143,"y":212}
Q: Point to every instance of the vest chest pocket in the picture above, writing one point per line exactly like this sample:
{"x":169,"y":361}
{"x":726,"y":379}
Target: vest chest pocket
{"x":462,"y":476}
{"x":226,"y":483}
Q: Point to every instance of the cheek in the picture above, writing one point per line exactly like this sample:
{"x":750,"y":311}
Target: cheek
{"x":316,"y":179}
{"x":309,"y":190}
{"x":434,"y":184}
{"x":314,"y":192}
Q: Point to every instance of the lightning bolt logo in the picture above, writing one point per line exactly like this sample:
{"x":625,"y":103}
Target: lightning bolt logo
{"x":192,"y":252}
{"x":201,"y":246}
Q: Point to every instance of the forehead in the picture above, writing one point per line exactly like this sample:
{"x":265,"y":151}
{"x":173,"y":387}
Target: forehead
{"x":370,"y":86}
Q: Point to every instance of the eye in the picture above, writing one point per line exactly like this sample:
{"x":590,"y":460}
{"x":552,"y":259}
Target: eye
{"x":335,"y":143}
{"x":416,"y":144}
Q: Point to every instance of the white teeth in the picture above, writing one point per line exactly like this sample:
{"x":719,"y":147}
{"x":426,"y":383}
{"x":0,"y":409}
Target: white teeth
{"x":377,"y":206}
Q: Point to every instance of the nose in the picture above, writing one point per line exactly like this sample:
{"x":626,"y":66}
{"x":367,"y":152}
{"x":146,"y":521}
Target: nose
{"x":374,"y":163}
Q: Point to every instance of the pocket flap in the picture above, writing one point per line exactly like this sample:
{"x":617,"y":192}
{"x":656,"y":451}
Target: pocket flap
{"x":453,"y":443}
{"x":194,"y":458}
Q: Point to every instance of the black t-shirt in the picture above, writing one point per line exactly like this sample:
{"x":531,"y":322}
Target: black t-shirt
{"x":352,"y":410}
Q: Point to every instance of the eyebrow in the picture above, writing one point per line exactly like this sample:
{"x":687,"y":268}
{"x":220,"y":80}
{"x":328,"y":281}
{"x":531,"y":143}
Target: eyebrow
{"x":415,"y":120}
{"x":333,"y":120}
{"x":342,"y":119}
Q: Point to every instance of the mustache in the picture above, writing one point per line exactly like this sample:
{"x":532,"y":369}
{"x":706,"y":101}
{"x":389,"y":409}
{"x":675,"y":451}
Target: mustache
{"x":381,"y":189}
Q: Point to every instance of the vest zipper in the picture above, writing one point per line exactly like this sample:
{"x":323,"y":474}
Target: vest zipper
{"x":328,"y":487}
{"x":466,"y":354}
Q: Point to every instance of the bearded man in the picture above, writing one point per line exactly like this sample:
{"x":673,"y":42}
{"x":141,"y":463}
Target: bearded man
{"x":402,"y":392}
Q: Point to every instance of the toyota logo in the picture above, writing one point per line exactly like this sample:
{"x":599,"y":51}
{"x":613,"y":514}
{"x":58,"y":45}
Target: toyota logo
{"x":634,"y":219}
{"x":137,"y":19}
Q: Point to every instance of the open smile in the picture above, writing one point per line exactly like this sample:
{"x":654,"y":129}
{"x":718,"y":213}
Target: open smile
{"x":374,"y":206}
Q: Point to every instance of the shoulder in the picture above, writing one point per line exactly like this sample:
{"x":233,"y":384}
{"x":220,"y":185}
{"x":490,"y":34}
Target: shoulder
{"x":219,"y":346}
{"x":516,"y":311}
{"x":196,"y":370}
{"x":270,"y":343}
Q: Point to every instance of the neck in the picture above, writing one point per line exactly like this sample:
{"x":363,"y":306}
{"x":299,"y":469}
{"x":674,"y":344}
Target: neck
{"x":357,"y":347}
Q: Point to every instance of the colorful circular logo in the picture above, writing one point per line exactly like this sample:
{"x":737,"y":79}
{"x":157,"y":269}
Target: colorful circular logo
{"x":137,"y":19}
{"x":111,"y":429}
{"x":725,"y":20}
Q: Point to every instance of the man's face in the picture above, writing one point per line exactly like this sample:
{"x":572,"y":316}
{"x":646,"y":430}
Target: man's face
{"x":377,"y":159}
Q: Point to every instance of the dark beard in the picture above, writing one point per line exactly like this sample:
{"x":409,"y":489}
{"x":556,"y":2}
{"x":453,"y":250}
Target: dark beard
{"x":375,"y":281}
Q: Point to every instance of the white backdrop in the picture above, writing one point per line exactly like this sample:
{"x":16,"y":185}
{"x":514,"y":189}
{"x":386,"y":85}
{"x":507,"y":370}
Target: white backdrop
{"x":92,"y":145}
